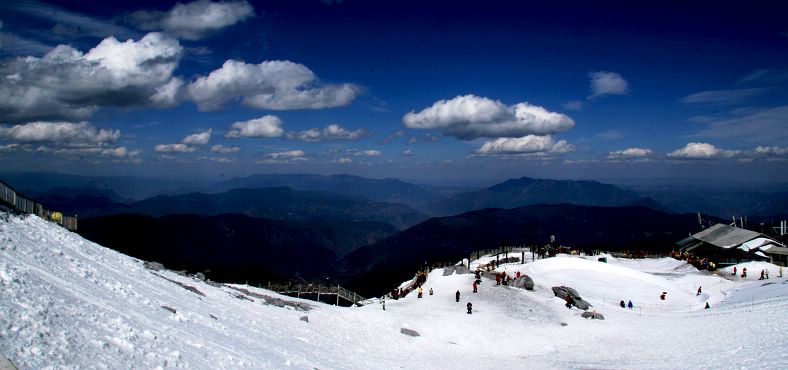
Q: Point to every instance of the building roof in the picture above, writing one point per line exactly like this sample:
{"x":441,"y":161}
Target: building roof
{"x":722,"y":235}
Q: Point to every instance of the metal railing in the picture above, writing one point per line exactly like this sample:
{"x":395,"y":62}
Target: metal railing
{"x":289,"y":288}
{"x":22,"y":204}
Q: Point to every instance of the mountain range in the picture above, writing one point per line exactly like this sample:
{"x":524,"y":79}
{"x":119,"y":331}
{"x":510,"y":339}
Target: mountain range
{"x":374,"y":267}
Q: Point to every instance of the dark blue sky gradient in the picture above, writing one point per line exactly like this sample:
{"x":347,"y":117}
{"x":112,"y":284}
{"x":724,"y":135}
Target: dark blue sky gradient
{"x":407,"y":55}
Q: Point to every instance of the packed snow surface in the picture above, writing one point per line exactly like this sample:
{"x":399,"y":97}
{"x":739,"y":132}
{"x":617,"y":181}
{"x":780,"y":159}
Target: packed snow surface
{"x":69,"y":303}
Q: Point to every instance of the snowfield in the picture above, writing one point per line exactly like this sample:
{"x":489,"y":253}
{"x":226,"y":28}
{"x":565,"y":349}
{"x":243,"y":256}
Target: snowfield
{"x":69,"y":303}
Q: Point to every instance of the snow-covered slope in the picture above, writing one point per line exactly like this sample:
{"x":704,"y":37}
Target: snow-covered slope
{"x":68,"y":303}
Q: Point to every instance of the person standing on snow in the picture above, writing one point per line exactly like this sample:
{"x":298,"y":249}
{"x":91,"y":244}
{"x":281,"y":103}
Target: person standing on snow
{"x":470,"y":307}
{"x":568,"y":301}
{"x":622,"y":304}
{"x":781,"y":272}
{"x":744,"y":272}
{"x":698,"y":291}
{"x":420,"y":292}
{"x":475,"y":286}
{"x":457,"y":296}
{"x":430,"y":291}
{"x":734,"y":270}
{"x":630,"y":304}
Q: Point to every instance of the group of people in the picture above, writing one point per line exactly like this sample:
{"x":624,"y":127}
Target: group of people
{"x":628,"y":305}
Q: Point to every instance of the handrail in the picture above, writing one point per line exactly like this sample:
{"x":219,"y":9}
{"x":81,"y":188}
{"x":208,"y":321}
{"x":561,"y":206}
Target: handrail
{"x":343,"y":293}
{"x":22,"y":204}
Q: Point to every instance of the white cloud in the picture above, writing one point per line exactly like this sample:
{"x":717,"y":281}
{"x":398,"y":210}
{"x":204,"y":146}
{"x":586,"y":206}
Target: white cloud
{"x":289,"y":156}
{"x":630,"y":153}
{"x":330,"y":132}
{"x":408,"y":153}
{"x":200,"y":138}
{"x":187,"y":145}
{"x":266,"y":126}
{"x":286,"y":154}
{"x":607,"y":83}
{"x":468,"y":117}
{"x":121,"y":152}
{"x":702,"y":151}
{"x":343,"y":160}
{"x":526,"y":145}
{"x":61,"y":133}
{"x":174,"y":148}
{"x":66,"y":84}
{"x":195,"y":20}
{"x":277,"y":85}
{"x":771,"y":150}
{"x":366,"y":153}
{"x":225,"y":149}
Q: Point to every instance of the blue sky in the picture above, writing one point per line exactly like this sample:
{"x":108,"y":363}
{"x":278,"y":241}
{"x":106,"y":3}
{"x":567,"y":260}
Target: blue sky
{"x":460,"y":91}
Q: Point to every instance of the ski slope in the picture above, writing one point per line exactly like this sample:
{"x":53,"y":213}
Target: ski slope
{"x":69,"y":303}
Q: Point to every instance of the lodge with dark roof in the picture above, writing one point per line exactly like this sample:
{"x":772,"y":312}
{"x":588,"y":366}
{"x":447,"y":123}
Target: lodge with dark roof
{"x":727,"y":245}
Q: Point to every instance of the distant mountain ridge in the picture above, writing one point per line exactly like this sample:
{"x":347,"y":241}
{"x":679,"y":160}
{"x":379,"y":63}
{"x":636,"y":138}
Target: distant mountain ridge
{"x":280,"y":204}
{"x":414,"y":196}
{"x":526,"y":191}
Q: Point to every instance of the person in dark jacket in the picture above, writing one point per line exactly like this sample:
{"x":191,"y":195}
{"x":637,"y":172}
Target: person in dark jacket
{"x":470,"y":307}
{"x":622,"y":304}
{"x":569,"y":301}
{"x":629,"y":304}
{"x":457,"y":296}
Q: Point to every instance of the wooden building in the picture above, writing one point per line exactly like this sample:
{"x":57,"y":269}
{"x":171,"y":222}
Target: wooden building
{"x":727,"y":245}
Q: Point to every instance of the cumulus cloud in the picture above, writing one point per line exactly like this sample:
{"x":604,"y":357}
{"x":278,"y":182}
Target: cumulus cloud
{"x":469,"y":116}
{"x":195,"y":20}
{"x":200,"y":138}
{"x":630,"y":153}
{"x":276,"y":85}
{"x":607,"y":83}
{"x":330,"y":132}
{"x":66,"y":84}
{"x":266,"y":126}
{"x":526,"y":145}
{"x":225,"y":149}
{"x":174,"y":148}
{"x":289,"y":156}
{"x":61,"y":133}
{"x":343,"y":160}
{"x":187,"y":144}
{"x":408,"y":153}
{"x":702,"y":151}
